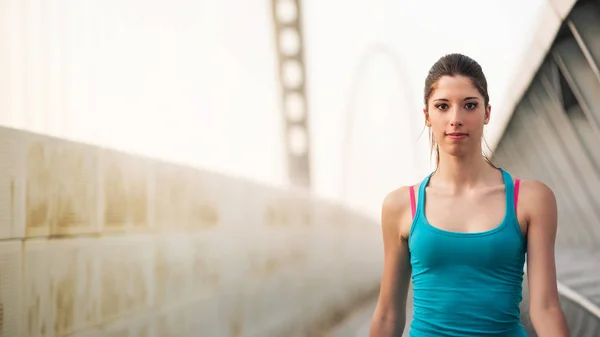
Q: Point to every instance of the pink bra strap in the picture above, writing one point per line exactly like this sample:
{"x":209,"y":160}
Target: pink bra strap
{"x":517,"y":184}
{"x":412,"y":201}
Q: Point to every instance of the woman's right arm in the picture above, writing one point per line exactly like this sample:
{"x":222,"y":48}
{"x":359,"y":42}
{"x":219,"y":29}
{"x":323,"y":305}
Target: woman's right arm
{"x":390,"y":314}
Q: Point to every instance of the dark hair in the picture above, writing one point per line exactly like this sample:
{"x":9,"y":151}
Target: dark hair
{"x":453,"y":65}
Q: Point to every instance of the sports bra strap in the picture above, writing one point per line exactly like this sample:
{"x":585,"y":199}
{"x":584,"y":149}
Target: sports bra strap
{"x":517,"y":184}
{"x":413,"y":207}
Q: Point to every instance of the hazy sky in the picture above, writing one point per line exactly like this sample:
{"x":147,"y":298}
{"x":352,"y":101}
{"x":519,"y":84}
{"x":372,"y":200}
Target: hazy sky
{"x":195,"y":81}
{"x":383,"y":91}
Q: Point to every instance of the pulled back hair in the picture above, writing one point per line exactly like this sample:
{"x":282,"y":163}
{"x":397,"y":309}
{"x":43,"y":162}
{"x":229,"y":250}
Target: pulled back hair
{"x":453,"y":65}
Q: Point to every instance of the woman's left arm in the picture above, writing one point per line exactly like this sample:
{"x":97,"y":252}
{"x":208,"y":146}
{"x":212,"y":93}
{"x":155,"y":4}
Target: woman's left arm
{"x":539,"y":205}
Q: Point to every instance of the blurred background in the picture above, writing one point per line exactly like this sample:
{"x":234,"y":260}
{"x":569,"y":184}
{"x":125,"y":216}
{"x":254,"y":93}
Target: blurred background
{"x":216,"y":168}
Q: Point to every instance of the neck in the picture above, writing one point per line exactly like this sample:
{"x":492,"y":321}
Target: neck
{"x":461,"y":172}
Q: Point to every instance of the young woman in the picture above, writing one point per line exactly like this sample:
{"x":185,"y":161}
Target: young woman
{"x":463,"y":232}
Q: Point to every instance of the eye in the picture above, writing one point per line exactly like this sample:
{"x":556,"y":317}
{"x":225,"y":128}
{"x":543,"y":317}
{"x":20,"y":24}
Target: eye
{"x":441,"y":106}
{"x":471,"y":106}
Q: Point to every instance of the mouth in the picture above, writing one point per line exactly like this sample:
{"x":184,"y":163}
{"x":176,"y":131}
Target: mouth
{"x":456,"y":135}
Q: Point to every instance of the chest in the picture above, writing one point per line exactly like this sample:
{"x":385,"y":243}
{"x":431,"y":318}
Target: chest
{"x":472,"y":212}
{"x":453,"y":254}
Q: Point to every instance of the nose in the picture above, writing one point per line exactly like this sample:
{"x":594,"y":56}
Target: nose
{"x":456,"y":118}
{"x":456,"y":123}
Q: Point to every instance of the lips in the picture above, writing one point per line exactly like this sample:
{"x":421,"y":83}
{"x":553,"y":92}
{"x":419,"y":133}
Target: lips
{"x":456,"y":135}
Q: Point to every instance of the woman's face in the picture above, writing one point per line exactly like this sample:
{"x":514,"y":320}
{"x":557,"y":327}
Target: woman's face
{"x":456,"y":114}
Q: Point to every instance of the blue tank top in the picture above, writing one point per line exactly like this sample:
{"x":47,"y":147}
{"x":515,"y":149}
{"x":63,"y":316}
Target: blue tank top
{"x":467,"y":284}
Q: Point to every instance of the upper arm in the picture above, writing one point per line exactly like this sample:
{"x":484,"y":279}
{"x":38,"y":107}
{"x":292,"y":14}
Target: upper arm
{"x":542,"y":221}
{"x":395,"y":216}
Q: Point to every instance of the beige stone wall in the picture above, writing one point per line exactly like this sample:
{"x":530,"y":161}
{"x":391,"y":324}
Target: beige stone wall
{"x":100,"y":243}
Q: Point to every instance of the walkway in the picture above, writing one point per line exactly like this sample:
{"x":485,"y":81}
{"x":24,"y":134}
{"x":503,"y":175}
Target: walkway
{"x":359,"y":322}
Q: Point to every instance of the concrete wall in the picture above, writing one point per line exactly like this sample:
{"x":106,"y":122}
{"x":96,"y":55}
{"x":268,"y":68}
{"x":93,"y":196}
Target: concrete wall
{"x":100,"y":243}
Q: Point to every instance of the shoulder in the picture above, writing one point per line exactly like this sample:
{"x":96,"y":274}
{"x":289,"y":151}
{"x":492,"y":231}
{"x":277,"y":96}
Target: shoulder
{"x":396,"y":211}
{"x":536,"y":192}
{"x":536,"y":197}
{"x":396,"y":201}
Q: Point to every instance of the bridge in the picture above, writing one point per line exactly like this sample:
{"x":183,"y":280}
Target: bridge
{"x":103,"y":237}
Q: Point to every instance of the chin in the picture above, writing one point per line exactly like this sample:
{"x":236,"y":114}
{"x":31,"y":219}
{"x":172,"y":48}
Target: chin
{"x":457,"y":150}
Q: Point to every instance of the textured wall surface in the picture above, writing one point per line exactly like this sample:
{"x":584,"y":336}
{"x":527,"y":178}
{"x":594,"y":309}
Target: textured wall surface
{"x":553,"y":136}
{"x":100,"y":243}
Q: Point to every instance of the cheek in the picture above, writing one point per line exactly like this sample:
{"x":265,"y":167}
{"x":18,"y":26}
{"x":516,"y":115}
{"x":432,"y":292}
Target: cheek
{"x":436,"y":117}
{"x":476,"y":119}
{"x":438,"y":130}
{"x":439,"y":122}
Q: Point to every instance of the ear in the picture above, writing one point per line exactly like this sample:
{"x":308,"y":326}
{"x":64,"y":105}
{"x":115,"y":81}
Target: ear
{"x":488,"y":112}
{"x":426,"y":115}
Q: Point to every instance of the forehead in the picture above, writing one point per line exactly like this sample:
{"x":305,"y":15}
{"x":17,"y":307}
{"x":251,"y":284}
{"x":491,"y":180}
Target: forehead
{"x":449,"y":87}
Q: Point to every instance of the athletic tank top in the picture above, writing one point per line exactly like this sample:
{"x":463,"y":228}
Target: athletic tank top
{"x":467,"y":284}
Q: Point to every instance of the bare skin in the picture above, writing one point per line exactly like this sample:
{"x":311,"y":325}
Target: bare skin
{"x":466,"y":194}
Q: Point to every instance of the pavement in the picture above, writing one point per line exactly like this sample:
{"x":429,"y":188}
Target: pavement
{"x":358,"y":323}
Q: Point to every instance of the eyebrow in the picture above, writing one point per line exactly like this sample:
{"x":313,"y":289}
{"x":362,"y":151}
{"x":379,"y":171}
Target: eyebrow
{"x":446,"y":100}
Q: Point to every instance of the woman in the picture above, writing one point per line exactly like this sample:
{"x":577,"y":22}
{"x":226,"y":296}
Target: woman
{"x":463,"y":231}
